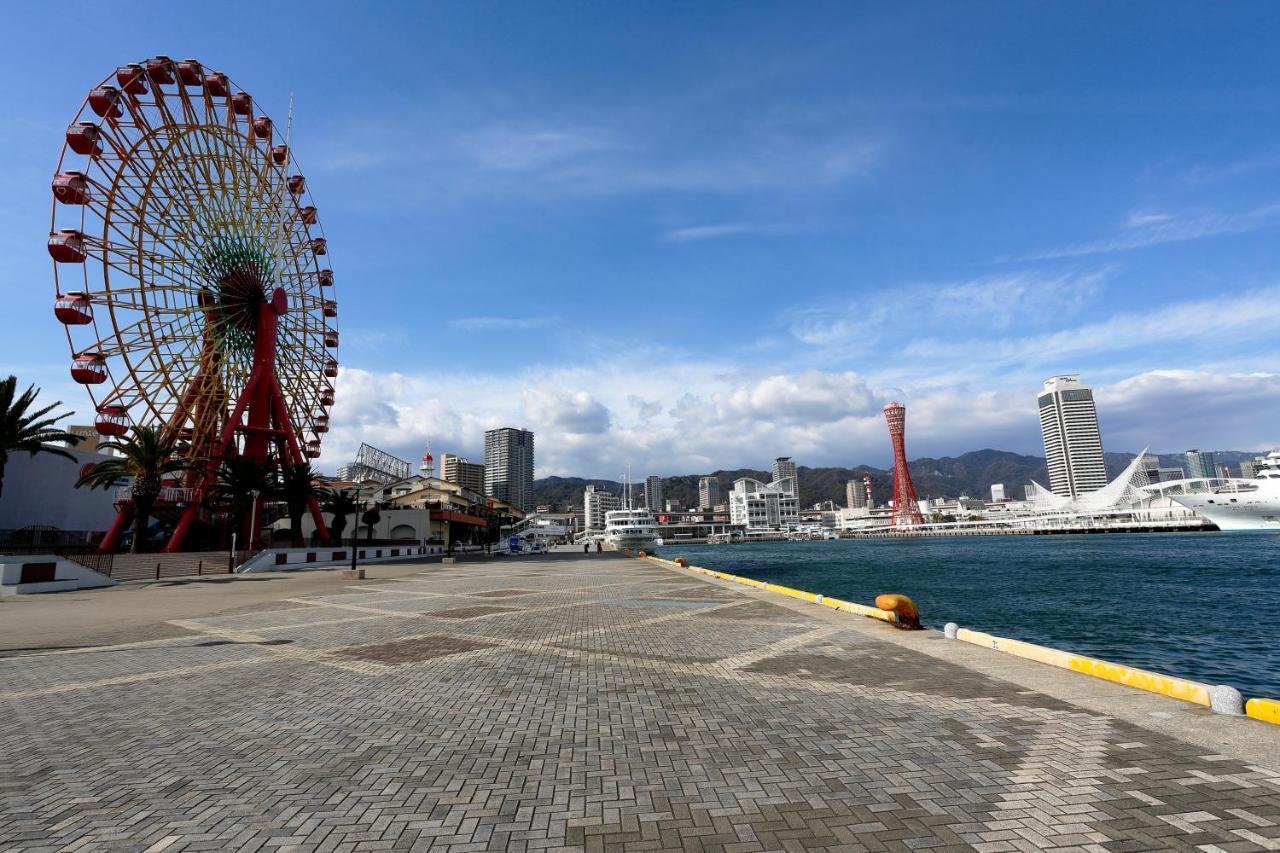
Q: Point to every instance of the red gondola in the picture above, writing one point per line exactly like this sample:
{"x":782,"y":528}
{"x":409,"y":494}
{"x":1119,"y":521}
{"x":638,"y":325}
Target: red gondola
{"x":82,"y":138}
{"x":313,"y":449}
{"x":71,"y":188}
{"x":89,"y":368}
{"x":296,"y":184}
{"x":190,"y":72}
{"x":217,"y":84}
{"x":241,"y":103}
{"x":322,"y":423}
{"x":73,"y":309}
{"x":330,"y":308}
{"x":326,"y":278}
{"x":67,"y":246}
{"x":326,"y":397}
{"x":160,"y":70}
{"x":331,"y":339}
{"x":280,"y":154}
{"x":319,"y":246}
{"x":262,"y":127}
{"x":105,"y":101}
{"x":112,"y":421}
{"x":331,"y":368}
{"x":307,"y":215}
{"x":131,"y":79}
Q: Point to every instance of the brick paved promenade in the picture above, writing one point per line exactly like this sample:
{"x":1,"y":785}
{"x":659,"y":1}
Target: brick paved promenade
{"x":582,"y":703}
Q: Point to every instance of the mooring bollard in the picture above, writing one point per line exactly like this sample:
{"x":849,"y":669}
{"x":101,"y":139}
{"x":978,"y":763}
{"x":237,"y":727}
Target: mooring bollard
{"x":681,"y":562}
{"x":951,"y":630}
{"x":1224,"y":699}
{"x":902,"y":607}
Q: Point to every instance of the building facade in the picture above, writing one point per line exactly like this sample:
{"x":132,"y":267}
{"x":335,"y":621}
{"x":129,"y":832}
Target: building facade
{"x":1200,"y":463}
{"x":757,"y":506}
{"x":1249,"y":468}
{"x":1072,"y":440}
{"x":456,"y":469}
{"x":709,"y":493}
{"x":595,"y":504}
{"x":508,"y":466}
{"x":783,"y":469}
{"x":855,"y":494}
{"x":653,"y":493}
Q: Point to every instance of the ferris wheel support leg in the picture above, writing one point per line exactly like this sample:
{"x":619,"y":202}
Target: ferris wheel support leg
{"x":295,"y":452}
{"x":180,"y":531}
{"x":111,"y":541}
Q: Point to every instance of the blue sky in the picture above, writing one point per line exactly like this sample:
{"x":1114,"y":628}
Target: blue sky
{"x":696,"y":236}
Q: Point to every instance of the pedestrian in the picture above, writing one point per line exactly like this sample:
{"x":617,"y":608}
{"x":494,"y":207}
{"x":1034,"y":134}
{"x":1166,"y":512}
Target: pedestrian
{"x":586,"y":547}
{"x":599,"y":547}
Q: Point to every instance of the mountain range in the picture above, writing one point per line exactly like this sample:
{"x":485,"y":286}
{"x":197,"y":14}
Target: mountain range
{"x":970,"y":474}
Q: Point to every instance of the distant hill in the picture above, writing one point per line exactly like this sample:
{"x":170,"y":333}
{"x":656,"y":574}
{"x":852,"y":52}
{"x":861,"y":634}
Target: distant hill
{"x":970,"y":473}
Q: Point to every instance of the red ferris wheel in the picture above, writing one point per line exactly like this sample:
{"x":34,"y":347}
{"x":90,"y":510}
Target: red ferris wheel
{"x":192,"y":275}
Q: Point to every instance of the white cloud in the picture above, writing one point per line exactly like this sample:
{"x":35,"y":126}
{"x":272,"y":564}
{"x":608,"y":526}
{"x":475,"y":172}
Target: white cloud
{"x":697,"y":233}
{"x":499,"y":324}
{"x":1153,"y":230}
{"x":995,"y":302}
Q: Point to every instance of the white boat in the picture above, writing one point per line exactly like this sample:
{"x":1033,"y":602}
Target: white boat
{"x":630,"y":529}
{"x":1235,"y":503}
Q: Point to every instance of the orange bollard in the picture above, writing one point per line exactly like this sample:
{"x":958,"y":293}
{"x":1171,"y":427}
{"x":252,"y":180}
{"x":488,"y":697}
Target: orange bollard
{"x":902,"y":607}
{"x":681,"y":562}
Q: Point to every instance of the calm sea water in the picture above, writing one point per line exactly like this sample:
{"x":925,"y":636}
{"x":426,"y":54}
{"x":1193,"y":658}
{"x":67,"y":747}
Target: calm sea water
{"x":1204,"y":606}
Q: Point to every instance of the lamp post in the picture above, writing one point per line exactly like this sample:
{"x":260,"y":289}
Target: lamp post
{"x":355,"y":528}
{"x":255,"y":530}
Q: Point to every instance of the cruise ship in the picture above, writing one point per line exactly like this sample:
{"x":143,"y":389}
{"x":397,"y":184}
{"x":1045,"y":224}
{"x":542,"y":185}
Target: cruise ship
{"x":1234,"y":504}
{"x":630,"y":529}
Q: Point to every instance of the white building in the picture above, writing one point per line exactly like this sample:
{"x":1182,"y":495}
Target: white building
{"x":1072,"y":440}
{"x":855,"y":494}
{"x":709,"y":493}
{"x":997,"y":492}
{"x":758,"y":507}
{"x":508,"y":466}
{"x":40,"y":492}
{"x":653,"y":493}
{"x":595,"y":503}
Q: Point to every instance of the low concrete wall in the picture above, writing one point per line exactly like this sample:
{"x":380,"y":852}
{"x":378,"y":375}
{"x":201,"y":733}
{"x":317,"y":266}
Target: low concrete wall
{"x":35,"y":573}
{"x":295,"y":559}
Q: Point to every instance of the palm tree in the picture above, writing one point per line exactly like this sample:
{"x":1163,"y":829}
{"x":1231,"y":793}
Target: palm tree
{"x":29,"y":431}
{"x":341,"y":503}
{"x":241,"y":481}
{"x":298,"y":488}
{"x":148,"y":457}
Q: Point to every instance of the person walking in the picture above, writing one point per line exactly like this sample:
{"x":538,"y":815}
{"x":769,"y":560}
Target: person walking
{"x":599,"y":547}
{"x":586,"y":547}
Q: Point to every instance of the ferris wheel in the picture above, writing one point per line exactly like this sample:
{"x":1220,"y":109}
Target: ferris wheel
{"x":191,"y":271}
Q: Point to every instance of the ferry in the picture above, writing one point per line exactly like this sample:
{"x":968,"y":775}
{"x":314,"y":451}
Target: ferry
{"x":630,"y":529}
{"x":1233,"y":504}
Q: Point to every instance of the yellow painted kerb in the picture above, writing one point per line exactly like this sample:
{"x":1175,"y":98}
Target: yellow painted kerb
{"x":1267,"y":710}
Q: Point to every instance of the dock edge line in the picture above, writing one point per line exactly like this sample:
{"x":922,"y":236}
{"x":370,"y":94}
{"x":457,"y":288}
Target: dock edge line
{"x":1266,"y":710}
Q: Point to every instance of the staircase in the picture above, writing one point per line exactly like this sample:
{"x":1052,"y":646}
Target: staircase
{"x":129,"y":567}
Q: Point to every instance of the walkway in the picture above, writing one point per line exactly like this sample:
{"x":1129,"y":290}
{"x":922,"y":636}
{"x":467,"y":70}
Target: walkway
{"x":584,"y":702}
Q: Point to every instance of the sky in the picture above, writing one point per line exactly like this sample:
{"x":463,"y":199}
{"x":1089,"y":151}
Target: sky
{"x":698,"y":236}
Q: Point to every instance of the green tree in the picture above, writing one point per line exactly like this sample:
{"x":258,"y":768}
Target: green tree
{"x":341,"y":503}
{"x":23,"y":430}
{"x":297,"y":487}
{"x":148,"y":457}
{"x":242,"y":480}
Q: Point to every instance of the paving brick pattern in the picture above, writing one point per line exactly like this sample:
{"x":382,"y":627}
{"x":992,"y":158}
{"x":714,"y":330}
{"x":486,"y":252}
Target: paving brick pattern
{"x":578,"y":704}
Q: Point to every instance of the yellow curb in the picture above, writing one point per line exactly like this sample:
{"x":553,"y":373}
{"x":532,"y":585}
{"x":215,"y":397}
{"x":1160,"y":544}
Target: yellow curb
{"x":813,"y":598}
{"x":1166,"y":685}
{"x":1267,"y":710}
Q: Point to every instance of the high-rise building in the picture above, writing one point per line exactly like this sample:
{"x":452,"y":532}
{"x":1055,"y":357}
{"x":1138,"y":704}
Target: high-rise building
{"x":709,"y":493}
{"x":595,"y":503}
{"x":997,"y":492}
{"x":456,"y":469}
{"x":1200,"y":464}
{"x":1223,"y":471}
{"x":784,"y":469}
{"x":1072,"y":440}
{"x":508,"y":466}
{"x":653,"y":493}
{"x":1249,"y":468}
{"x":759,"y":506}
{"x":855,"y":494}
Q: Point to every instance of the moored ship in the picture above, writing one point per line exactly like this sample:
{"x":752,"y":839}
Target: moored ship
{"x":1233,"y":504}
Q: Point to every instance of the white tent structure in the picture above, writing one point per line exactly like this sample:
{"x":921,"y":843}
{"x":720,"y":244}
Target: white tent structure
{"x":1124,"y":492}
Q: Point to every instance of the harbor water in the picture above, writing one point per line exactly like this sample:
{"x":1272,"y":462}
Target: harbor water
{"x":1204,"y":606}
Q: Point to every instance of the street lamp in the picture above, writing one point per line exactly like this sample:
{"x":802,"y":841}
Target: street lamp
{"x":355,"y":526}
{"x":255,"y":525}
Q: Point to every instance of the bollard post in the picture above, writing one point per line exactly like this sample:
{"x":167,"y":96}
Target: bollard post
{"x":200,"y":568}
{"x":1226,"y":700}
{"x":157,"y":570}
{"x":951,"y":630}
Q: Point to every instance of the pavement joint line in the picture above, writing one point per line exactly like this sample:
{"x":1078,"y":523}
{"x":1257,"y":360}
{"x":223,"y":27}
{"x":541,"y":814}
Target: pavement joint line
{"x":72,"y":687}
{"x":321,"y":656}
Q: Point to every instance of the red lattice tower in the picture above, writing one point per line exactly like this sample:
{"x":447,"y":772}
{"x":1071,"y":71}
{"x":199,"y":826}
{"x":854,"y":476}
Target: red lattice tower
{"x":906,"y":507}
